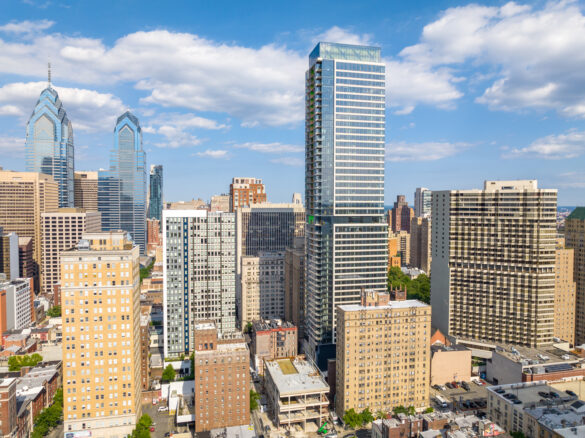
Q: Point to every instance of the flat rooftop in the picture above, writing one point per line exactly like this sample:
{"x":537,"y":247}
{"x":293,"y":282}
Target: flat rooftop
{"x":536,"y":356}
{"x":528,"y":394}
{"x":406,"y":304}
{"x":296,"y":376}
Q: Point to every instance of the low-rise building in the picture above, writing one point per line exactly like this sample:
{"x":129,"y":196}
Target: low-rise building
{"x":222,"y":378}
{"x":537,"y":410}
{"x":272,"y":340}
{"x":450,"y":363}
{"x":516,"y":364}
{"x":296,"y":393}
{"x":16,"y":303}
{"x":8,"y":422}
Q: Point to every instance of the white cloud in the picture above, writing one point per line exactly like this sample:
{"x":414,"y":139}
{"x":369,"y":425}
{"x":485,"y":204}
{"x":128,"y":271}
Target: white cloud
{"x":88,"y":110}
{"x":337,"y":34}
{"x":209,"y":153}
{"x":12,"y":147}
{"x":289,"y":161}
{"x":175,"y":137}
{"x":572,"y":180}
{"x":270,"y":148}
{"x":537,"y":54}
{"x":426,"y":151}
{"x":26,"y":26}
{"x":552,"y":147}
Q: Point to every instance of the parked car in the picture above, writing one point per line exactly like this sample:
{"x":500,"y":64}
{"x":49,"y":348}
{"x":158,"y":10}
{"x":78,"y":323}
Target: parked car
{"x":450,"y":385}
{"x":543,"y":394}
{"x":571,"y":393}
{"x":554,"y":395}
{"x":163,"y":408}
{"x":465,"y":386}
{"x":455,"y":385}
{"x":437,"y":387}
{"x":152,"y":428}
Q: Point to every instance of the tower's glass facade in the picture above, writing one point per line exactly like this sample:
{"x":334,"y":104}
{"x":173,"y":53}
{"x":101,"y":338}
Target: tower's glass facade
{"x":122,"y":189}
{"x":49,"y":144}
{"x":155,"y":197}
{"x":344,"y":182}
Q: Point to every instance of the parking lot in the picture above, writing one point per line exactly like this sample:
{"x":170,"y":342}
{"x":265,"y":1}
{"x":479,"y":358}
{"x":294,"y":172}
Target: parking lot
{"x":163,"y":422}
{"x":462,"y":400}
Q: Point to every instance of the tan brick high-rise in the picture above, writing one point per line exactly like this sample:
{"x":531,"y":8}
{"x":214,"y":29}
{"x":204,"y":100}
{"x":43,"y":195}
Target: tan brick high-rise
{"x":493,"y":263}
{"x":575,"y":238}
{"x":100,"y":299}
{"x":564,"y":294}
{"x":24,"y":196}
{"x":62,"y":230}
{"x":222,"y":378}
{"x":86,"y":190}
{"x":382,"y":354}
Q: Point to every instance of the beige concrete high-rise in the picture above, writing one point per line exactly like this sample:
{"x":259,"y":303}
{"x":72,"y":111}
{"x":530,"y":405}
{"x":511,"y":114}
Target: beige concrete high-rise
{"x":493,"y":263}
{"x":382,"y":354}
{"x":262,"y":287}
{"x":86,"y":190}
{"x":575,"y":238}
{"x":62,"y":230}
{"x":294,"y":285}
{"x":420,"y":243}
{"x":401,"y":240}
{"x":100,"y":299}
{"x":564,"y":294}
{"x":24,"y":196}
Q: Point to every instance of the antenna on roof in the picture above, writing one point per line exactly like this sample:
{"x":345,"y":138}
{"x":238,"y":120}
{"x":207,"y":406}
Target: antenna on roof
{"x":49,"y":74}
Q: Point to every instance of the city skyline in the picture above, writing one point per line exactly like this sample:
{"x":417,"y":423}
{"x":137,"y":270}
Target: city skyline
{"x":459,"y":113}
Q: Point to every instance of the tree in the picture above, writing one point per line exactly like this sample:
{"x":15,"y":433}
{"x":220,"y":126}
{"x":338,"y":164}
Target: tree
{"x":517,"y":435}
{"x":429,"y":410}
{"x":254,"y":398}
{"x":146,"y":271}
{"x":366,"y":417}
{"x":352,"y":419}
{"x":168,"y":374}
{"x":54,"y":311}
{"x":411,"y":410}
{"x":248,"y":327}
{"x":50,"y":417}
{"x":399,"y":410}
{"x":381,"y":415}
{"x":419,"y":288}
{"x":15,"y":363}
{"x":142,"y":429}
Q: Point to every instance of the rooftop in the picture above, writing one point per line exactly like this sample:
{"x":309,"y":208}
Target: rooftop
{"x":455,"y":347}
{"x":406,"y":304}
{"x":577,"y":213}
{"x":5,"y":382}
{"x":544,"y":357}
{"x":296,"y":376}
{"x":529,"y":397}
{"x":346,"y":52}
{"x":272,"y":324}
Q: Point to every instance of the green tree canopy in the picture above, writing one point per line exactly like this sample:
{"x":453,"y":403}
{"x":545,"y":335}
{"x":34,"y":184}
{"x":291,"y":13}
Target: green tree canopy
{"x":366,"y":417}
{"x":142,"y":427}
{"x":54,"y":311}
{"x":419,"y":288}
{"x":254,"y":398}
{"x":15,"y":363}
{"x":352,"y":418}
{"x":50,"y":417}
{"x":169,"y":373}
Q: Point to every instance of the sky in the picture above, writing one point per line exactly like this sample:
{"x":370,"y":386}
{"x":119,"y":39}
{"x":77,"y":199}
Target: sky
{"x":475,"y":91}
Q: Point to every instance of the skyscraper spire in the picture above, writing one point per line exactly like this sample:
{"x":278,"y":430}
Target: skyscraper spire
{"x":49,"y":75}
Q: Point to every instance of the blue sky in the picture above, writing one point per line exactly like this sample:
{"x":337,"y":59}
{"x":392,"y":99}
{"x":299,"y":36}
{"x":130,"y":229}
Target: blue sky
{"x":491,"y":90}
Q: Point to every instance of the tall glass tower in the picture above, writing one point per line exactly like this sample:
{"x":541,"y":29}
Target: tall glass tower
{"x":344,"y":185}
{"x":49,"y":143}
{"x":155,"y":197}
{"x":122,"y":189}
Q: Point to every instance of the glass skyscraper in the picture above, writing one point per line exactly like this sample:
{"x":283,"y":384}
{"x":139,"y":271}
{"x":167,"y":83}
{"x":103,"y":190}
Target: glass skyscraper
{"x":155,"y":194}
{"x":346,"y":234}
{"x":122,"y":189}
{"x":49,"y":144}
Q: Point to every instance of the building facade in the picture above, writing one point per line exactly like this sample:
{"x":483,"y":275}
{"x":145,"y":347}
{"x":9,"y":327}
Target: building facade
{"x":272,"y":339}
{"x":24,"y":196}
{"x":402,"y":214}
{"x":345,"y":99}
{"x":199,"y":270}
{"x":155,"y":194}
{"x":294,"y":285}
{"x":246,"y":191}
{"x":8,"y":425}
{"x":49,"y":144}
{"x":401,"y":242}
{"x":220,"y":203}
{"x":9,"y":264}
{"x":100,"y":301}
{"x":565,"y":290}
{"x":86,"y":190}
{"x":422,"y":202}
{"x":62,"y":230}
{"x":420,"y":243}
{"x":222,"y":362}
{"x":122,"y":189}
{"x":28,"y":268}
{"x":493,"y":263}
{"x":575,"y":239}
{"x":262,"y":287}
{"x":375,"y":338}
{"x":16,"y":303}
